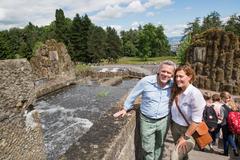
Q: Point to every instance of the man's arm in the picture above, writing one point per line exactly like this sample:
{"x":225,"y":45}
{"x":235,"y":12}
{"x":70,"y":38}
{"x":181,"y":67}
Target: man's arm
{"x":121,"y":112}
{"x":128,"y":104}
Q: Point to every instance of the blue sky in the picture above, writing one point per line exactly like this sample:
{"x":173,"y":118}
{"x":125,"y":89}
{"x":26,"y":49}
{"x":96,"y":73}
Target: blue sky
{"x":120,"y":14}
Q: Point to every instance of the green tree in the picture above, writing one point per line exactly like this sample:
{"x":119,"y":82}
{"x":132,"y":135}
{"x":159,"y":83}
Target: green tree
{"x":113,"y":45}
{"x":13,"y":39}
{"x":182,"y":49}
{"x":144,"y":45}
{"x":4,"y":48}
{"x":146,"y":35}
{"x":129,"y":49}
{"x":193,"y":28}
{"x":62,"y":26}
{"x":129,"y":41}
{"x":152,"y":41}
{"x":85,"y":31}
{"x":30,"y":35}
{"x":96,"y":44}
{"x":233,"y":24}
{"x":160,"y":43}
{"x":212,"y":21}
{"x":75,"y":39}
{"x":48,"y":32}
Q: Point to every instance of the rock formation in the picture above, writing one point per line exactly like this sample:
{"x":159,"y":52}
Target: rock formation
{"x":21,"y":134}
{"x":51,"y":61}
{"x":215,"y":57}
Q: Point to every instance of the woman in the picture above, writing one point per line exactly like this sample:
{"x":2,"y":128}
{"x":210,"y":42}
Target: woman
{"x":191,"y":103}
{"x":228,"y":137}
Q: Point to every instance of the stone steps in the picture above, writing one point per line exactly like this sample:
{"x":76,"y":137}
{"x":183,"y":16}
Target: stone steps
{"x":196,"y":154}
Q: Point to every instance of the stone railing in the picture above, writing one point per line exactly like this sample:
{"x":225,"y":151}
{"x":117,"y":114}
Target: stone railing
{"x":109,"y":138}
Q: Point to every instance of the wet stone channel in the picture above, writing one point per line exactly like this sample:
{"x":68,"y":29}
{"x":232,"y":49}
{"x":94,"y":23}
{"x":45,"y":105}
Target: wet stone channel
{"x":67,"y":114}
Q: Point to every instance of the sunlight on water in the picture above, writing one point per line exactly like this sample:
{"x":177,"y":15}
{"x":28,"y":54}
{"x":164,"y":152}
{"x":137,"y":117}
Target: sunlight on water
{"x":68,"y":114}
{"x":62,"y":129}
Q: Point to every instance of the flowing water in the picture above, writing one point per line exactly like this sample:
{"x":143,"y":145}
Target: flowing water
{"x":69,"y":113}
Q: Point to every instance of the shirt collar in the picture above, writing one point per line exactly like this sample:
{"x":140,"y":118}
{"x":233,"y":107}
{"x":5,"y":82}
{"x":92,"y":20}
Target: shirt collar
{"x":188,"y":89}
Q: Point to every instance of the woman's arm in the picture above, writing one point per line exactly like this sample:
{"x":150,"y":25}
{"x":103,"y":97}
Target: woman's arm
{"x":181,"y":141}
{"x":191,"y":129}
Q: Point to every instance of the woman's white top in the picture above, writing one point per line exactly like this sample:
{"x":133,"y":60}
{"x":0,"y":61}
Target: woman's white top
{"x":191,"y":103}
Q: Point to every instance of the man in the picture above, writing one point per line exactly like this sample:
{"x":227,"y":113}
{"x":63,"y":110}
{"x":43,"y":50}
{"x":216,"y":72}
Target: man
{"x":154,"y":109}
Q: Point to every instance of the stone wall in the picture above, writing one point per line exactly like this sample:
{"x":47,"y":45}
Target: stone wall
{"x":52,"y":61}
{"x":17,"y":92}
{"x":16,"y":87}
{"x":21,"y":82}
{"x":109,"y":138}
{"x":215,"y":57}
{"x":17,"y":141}
{"x":52,"y":68}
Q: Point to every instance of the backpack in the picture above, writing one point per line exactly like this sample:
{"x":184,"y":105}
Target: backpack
{"x":234,"y":122}
{"x":210,"y":117}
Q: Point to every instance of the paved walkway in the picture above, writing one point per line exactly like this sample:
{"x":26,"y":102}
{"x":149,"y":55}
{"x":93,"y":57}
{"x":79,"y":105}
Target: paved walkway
{"x":196,"y":154}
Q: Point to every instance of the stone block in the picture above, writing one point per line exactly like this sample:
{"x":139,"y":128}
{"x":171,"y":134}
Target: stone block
{"x":199,"y":54}
{"x":220,"y":75}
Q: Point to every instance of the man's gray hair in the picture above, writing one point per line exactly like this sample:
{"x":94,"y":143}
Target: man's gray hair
{"x":167,"y":62}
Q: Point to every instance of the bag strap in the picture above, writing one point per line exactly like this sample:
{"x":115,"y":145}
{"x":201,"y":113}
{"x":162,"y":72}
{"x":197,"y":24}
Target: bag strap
{"x":176,"y":100}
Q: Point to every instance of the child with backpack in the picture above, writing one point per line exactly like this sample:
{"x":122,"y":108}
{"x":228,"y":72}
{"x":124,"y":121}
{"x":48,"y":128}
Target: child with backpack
{"x":228,"y":136}
{"x":217,"y":105}
{"x":209,"y":115}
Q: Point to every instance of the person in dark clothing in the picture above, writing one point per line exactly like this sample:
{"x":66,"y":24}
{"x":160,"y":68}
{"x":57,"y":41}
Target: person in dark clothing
{"x":228,"y":136}
{"x":209,"y":115}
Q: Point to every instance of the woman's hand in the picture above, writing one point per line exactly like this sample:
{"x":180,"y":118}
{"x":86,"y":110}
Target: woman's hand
{"x":182,"y":145}
{"x":211,"y":129}
{"x":122,"y":113}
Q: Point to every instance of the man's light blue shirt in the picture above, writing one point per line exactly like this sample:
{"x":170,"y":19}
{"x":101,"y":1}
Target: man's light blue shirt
{"x":155,"y":100}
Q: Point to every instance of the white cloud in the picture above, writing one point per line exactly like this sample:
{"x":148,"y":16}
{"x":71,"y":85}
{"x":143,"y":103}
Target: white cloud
{"x":108,"y":13}
{"x":174,"y":30}
{"x":225,"y":19}
{"x":135,"y":6}
{"x":158,"y":3}
{"x":118,"y":28}
{"x":118,"y":11}
{"x":2,"y":13}
{"x":20,"y":12}
{"x":17,"y":13}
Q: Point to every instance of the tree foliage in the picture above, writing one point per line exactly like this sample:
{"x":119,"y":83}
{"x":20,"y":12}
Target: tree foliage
{"x":61,"y":26}
{"x":233,"y":24}
{"x":89,"y":43}
{"x":96,"y":44}
{"x":148,"y":41}
{"x":212,"y":21}
{"x":129,"y":41}
{"x":193,"y":28}
{"x":113,"y":45}
{"x":182,"y":49}
{"x":75,"y":40}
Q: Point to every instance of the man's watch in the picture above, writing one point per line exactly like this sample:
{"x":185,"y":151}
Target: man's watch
{"x":186,"y":137}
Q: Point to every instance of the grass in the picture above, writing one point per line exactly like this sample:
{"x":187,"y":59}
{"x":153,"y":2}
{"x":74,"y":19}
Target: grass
{"x":81,"y":69}
{"x":137,"y":60}
{"x":103,"y":93}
